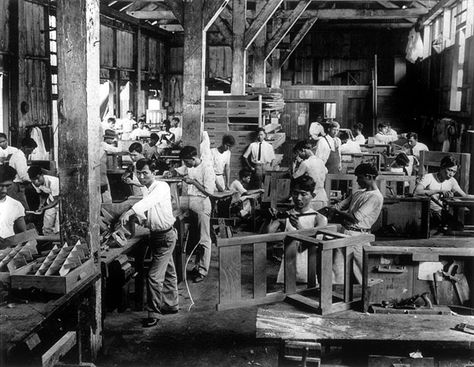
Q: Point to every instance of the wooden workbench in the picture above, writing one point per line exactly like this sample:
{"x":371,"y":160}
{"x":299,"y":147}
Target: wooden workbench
{"x":134,"y":248}
{"x":29,"y":328}
{"x":284,"y":322}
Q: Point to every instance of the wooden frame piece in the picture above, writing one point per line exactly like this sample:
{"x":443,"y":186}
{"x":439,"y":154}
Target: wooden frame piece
{"x":297,"y":40}
{"x":260,"y":21}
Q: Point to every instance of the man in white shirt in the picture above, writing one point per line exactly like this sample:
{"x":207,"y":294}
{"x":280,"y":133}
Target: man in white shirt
{"x":239,"y":188}
{"x":328,"y":148}
{"x":359,"y":138}
{"x":414,"y":147}
{"x":221,"y":162}
{"x":316,"y":130}
{"x":358,"y":213}
{"x":48,"y":189}
{"x":198,"y":184}
{"x":126,"y":125}
{"x":176,"y":130}
{"x":140,"y":131}
{"x":383,"y":136}
{"x":348,"y":146}
{"x":314,"y":167}
{"x":150,"y":149}
{"x":12,"y":213}
{"x":17,"y":159}
{"x":156,"y":213}
{"x":106,"y":147}
{"x":261,"y":155}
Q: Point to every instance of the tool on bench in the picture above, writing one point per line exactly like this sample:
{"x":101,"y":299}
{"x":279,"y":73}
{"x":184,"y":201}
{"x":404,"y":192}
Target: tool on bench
{"x":450,"y":274}
{"x":466,"y":328}
{"x":411,"y":303}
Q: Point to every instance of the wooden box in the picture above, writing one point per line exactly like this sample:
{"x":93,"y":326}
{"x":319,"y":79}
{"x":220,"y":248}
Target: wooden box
{"x":52,"y":283}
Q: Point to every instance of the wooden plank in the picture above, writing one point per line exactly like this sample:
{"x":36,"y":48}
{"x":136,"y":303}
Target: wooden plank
{"x":258,"y":69}
{"x":290,"y":266}
{"x":283,"y":321}
{"x":325,"y":281}
{"x":238,"y":49}
{"x":436,"y":10}
{"x":312,"y":266}
{"x":399,"y":250}
{"x":59,"y":349}
{"x":305,"y":302}
{"x":269,"y":298}
{"x":230,"y":276}
{"x":283,"y":30}
{"x":260,"y":21}
{"x":348,"y":270}
{"x":78,"y":108}
{"x":259,"y":270}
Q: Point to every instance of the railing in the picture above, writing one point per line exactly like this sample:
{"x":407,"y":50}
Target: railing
{"x":320,"y":262}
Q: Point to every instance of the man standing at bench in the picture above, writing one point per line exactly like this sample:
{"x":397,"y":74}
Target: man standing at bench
{"x":261,"y":155}
{"x":156,"y":212}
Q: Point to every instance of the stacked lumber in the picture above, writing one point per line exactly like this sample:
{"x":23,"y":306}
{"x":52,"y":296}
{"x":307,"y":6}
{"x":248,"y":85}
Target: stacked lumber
{"x":272,"y":99}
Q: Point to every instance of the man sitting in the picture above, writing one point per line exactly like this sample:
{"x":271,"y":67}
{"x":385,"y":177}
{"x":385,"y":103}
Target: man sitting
{"x":239,"y":187}
{"x":383,"y":136}
{"x":12,"y":213}
{"x":414,"y":147}
{"x":348,"y":146}
{"x":302,"y":216}
{"x":357,"y":214}
{"x":359,"y":138}
{"x":48,"y":188}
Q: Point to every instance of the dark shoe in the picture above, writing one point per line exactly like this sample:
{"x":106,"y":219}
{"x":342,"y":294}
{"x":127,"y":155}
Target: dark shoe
{"x":198,"y":278}
{"x":169,"y":311}
{"x":149,"y":322}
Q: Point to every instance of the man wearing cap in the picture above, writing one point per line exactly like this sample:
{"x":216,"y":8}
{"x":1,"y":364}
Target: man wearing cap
{"x":328,"y":148}
{"x":316,"y":130}
{"x":106,"y":147}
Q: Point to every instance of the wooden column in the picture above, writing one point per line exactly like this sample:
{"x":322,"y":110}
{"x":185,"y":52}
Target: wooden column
{"x":259,"y":60}
{"x":78,"y":111}
{"x":141,"y":104}
{"x":238,"y":50}
{"x":275,"y":59}
{"x":194,"y":44}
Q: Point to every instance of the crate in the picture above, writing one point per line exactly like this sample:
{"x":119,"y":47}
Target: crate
{"x":55,"y":284}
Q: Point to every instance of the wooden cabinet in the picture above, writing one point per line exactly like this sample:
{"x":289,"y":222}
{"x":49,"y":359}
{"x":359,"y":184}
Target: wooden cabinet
{"x":239,"y":116}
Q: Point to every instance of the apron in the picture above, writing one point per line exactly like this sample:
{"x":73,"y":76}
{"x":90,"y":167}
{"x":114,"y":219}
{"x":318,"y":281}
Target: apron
{"x":334,"y":159}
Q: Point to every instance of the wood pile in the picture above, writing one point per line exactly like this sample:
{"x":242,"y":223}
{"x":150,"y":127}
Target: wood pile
{"x":272,"y":99}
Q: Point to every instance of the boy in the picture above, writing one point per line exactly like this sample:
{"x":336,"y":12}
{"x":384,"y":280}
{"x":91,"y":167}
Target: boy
{"x":198,"y":184}
{"x":156,"y":212}
{"x":302,"y":193}
{"x":130,"y":177}
{"x":359,"y":138}
{"x":48,"y":189}
{"x":140,"y":131}
{"x":358,"y":213}
{"x":12,"y":213}
{"x":176,"y":129}
{"x":261,"y":156}
{"x":414,"y":147}
{"x":314,"y":167}
{"x":150,"y":149}
{"x":221,"y":162}
{"x":240,"y":192}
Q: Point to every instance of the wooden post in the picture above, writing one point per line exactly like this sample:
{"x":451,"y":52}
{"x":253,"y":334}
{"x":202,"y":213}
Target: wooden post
{"x":238,"y":51}
{"x":259,"y":60}
{"x":78,"y":111}
{"x":275,"y":59}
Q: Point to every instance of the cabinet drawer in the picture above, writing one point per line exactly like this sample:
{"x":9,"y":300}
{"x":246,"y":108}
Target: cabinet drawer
{"x":253,"y":105}
{"x":215,"y":112}
{"x":215,"y":127}
{"x":215,"y":104}
{"x":243,"y":112}
{"x":215,"y":120}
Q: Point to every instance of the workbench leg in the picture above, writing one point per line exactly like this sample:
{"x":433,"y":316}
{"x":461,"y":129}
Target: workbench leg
{"x":96,"y":324}
{"x":139,"y":256}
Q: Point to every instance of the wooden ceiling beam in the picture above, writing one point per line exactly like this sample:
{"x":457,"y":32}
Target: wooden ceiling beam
{"x":260,"y":21}
{"x":224,"y":29}
{"x":285,"y":27}
{"x":158,"y":14}
{"x":359,"y":13}
{"x":297,"y":40}
{"x":212,"y":10}
{"x":436,"y":10}
{"x":176,"y":7}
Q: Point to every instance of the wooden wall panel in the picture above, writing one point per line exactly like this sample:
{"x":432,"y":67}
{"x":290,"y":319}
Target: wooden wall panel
{"x":153,"y":56}
{"x":219,"y":62}
{"x":176,"y":60}
{"x":144,"y":50}
{"x":125,"y":49}
{"x":35,"y":81}
{"x":35,"y":35}
{"x":106,"y":46}
{"x":4,"y":26}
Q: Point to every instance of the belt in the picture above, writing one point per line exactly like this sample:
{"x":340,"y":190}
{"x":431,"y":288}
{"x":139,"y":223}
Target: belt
{"x":162,"y":232}
{"x":355,"y":229}
{"x":219,"y":174}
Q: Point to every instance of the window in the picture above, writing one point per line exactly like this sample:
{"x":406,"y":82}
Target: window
{"x":459,"y":22}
